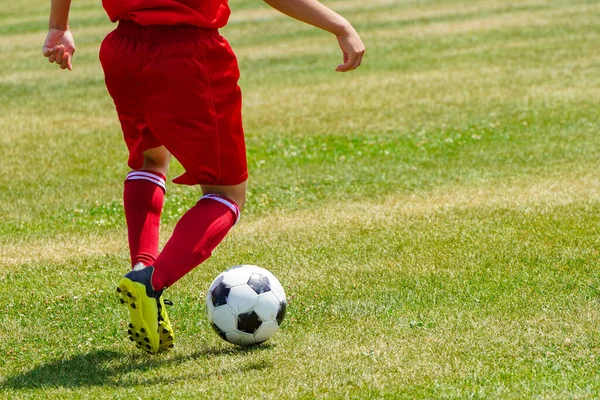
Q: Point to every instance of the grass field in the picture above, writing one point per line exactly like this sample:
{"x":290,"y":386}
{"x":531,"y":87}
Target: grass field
{"x":433,"y":216}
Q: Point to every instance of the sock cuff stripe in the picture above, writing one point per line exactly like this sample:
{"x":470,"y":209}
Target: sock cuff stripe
{"x":147,"y":176}
{"x":144,"y":178}
{"x":149,"y":173}
{"x":232,"y":206}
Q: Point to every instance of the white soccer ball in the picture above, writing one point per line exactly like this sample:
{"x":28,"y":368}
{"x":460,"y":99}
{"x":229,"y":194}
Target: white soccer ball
{"x":246,"y":305}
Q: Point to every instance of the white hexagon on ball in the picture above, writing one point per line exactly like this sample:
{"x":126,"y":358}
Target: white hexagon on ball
{"x":276,"y":287}
{"x":240,"y":338}
{"x":242,"y":299}
{"x":266,"y":330}
{"x":267,"y":306}
{"x":236,"y":276}
{"x":225,"y":318}
{"x":210,"y":308}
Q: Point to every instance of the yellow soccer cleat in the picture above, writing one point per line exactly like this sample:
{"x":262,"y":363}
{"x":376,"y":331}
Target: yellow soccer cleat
{"x":150,"y":327}
{"x":165,"y":330}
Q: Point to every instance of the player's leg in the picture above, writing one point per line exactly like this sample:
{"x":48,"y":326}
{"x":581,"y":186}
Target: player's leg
{"x":237,"y":193}
{"x":143,"y":200}
{"x":198,"y":232}
{"x":194,"y":110}
{"x":157,"y":160}
{"x":120,"y":56}
{"x":143,"y":197}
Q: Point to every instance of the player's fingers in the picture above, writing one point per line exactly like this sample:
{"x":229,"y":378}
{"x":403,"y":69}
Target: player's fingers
{"x":52,"y":57}
{"x":46,"y":51}
{"x":344,"y":63}
{"x":340,"y":67}
{"x":59,"y":54}
{"x":347,"y":66}
{"x":70,"y":62}
{"x":358,"y":61}
{"x":65,"y":60}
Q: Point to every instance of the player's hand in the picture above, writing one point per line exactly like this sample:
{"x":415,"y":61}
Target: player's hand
{"x":353,"y":49}
{"x":59,"y":47}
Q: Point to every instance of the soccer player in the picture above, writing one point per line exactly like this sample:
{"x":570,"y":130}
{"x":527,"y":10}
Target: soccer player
{"x":173,"y":80}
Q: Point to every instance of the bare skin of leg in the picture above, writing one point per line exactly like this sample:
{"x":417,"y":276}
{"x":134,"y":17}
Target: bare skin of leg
{"x":237,"y":193}
{"x":157,"y":159}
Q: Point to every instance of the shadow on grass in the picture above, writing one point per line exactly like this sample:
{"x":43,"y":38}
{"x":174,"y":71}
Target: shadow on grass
{"x":110,"y":368}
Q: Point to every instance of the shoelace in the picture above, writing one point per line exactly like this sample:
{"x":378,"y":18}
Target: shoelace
{"x":167,"y":303}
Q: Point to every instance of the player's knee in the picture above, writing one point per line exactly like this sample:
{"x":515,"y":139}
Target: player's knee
{"x":236,"y":193}
{"x":153,"y":165}
{"x":157,"y":160}
{"x":241,"y":200}
{"x":238,"y":196}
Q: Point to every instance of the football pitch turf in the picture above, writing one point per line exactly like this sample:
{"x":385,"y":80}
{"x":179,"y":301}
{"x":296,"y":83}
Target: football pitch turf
{"x":433,"y":216}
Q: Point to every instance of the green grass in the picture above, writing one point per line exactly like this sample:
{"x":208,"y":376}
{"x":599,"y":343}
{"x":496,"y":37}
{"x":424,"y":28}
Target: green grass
{"x":432,"y":216}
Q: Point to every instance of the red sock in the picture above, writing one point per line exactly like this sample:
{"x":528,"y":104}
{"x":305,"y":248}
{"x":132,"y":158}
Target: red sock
{"x":197,"y":233}
{"x":143,"y":198}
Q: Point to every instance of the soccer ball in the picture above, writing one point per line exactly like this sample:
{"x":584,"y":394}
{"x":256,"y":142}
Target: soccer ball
{"x":246,"y":305}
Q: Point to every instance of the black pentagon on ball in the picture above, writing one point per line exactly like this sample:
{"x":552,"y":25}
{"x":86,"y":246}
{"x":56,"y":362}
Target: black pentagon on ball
{"x":219,"y":331}
{"x":281,"y":312}
{"x":259,"y":283}
{"x":248,"y":322}
{"x":219,"y":294}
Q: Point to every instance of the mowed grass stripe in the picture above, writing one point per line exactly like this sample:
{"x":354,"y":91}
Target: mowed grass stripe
{"x":343,"y":217}
{"x":502,"y":17}
{"x":311,"y":169}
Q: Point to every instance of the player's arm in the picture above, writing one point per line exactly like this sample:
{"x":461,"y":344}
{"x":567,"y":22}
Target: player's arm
{"x":59,"y":45}
{"x":314,"y":13}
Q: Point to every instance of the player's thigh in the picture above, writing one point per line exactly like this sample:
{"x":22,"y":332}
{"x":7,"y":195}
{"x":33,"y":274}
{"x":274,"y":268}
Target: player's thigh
{"x":122,"y":78}
{"x":196,"y":115}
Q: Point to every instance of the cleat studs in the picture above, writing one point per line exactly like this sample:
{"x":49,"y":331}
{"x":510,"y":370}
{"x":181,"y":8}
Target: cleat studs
{"x":160,"y":342}
{"x":137,"y":334}
{"x":129,"y":294}
{"x":143,"y":330}
{"x":131,"y":338}
{"x":149,"y":352}
{"x":129,"y":331}
{"x":148,"y":346}
{"x":146,"y":340}
{"x":131,"y":326}
{"x":122,"y":301}
{"x":138,"y":346}
{"x":170,"y":337}
{"x":118,"y":290}
{"x":165,"y":330}
{"x":133,"y":305}
{"x":171,"y":346}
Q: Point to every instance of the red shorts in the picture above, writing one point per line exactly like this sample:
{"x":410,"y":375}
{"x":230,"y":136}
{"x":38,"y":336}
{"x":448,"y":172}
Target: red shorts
{"x":176,"y":86}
